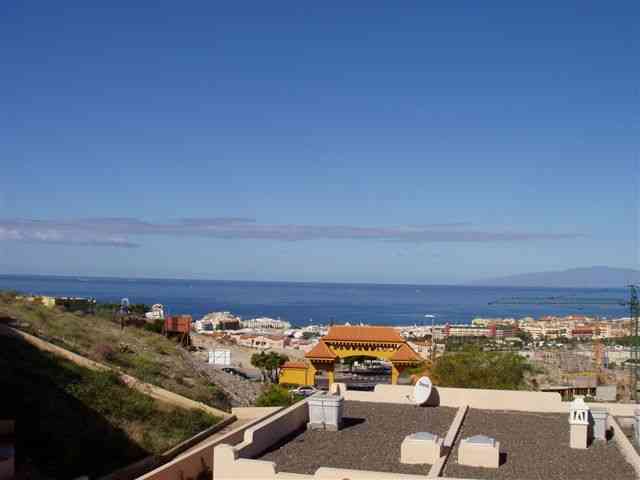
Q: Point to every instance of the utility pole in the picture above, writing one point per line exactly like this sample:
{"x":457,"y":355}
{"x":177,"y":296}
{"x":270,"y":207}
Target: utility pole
{"x":634,"y":310}
{"x":433,"y":337}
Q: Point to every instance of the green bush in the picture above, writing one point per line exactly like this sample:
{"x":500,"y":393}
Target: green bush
{"x":276,"y":396}
{"x":475,"y":368}
{"x":155,"y":326}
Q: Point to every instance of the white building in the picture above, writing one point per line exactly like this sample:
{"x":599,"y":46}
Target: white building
{"x":266,"y":323}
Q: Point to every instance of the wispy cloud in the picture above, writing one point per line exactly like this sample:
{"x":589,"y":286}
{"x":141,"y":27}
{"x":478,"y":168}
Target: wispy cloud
{"x":117,"y":232}
{"x":62,"y":234}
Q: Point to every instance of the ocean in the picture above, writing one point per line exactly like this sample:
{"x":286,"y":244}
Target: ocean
{"x":321,"y":303}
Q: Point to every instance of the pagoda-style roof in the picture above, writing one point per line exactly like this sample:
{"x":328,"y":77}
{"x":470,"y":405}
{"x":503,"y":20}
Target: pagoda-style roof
{"x":346,"y":333}
{"x":321,"y":351}
{"x":405,"y":354}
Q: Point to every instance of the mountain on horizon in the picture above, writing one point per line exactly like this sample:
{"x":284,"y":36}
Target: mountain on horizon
{"x":586,"y":277}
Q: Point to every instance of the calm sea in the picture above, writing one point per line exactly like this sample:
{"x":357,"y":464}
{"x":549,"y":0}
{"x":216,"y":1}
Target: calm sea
{"x":302,"y":303}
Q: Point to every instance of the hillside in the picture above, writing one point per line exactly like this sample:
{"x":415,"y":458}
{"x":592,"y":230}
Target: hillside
{"x":74,"y":421}
{"x":145,"y":355}
{"x":589,"y":277}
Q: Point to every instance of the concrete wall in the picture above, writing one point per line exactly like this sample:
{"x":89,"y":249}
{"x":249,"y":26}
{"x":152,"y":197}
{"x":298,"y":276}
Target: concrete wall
{"x":484,"y":399}
{"x":251,"y":413}
{"x":200,"y":458}
{"x":236,"y":462}
{"x":268,"y":432}
{"x":625,"y":446}
{"x":474,"y":398}
{"x":325,"y":473}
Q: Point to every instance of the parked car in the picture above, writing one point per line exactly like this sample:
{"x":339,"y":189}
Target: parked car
{"x":305,"y":391}
{"x":236,"y":372}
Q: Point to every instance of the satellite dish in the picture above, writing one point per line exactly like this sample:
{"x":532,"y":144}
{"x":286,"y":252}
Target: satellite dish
{"x":422,"y":390}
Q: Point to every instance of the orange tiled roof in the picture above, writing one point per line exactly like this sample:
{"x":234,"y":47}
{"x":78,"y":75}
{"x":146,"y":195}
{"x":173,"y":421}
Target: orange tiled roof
{"x":321,"y":351}
{"x":405,"y":354}
{"x":363,"y":334}
{"x":295,"y":365}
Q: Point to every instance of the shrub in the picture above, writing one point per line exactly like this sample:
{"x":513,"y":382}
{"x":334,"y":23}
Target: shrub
{"x":474,"y":368}
{"x":155,"y":326}
{"x":276,"y":396}
{"x":104,"y":353}
{"x":145,"y":369}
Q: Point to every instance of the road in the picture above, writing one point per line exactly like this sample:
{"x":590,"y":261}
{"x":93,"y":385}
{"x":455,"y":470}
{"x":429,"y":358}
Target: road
{"x":356,"y":381}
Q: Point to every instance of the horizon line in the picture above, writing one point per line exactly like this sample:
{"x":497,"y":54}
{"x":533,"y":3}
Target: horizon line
{"x":186,"y":279}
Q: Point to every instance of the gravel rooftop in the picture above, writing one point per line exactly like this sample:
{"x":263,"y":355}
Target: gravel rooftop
{"x":370,"y":439}
{"x":537,"y":447}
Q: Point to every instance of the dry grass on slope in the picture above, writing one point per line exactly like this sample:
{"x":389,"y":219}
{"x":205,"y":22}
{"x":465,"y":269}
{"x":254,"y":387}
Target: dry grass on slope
{"x":146,"y":355}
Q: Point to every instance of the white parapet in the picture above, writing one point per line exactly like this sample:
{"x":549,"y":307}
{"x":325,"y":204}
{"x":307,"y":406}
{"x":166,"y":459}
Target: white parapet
{"x":227,"y":467}
{"x":479,"y":451}
{"x":421,"y":447}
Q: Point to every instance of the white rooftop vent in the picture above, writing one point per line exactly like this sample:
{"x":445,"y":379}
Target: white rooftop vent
{"x":481,"y":440}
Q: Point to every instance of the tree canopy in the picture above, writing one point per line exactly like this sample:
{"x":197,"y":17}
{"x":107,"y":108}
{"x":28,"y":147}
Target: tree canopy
{"x":269,"y":364}
{"x":474,"y":368}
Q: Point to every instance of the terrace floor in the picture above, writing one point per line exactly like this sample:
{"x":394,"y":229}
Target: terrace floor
{"x":536,"y":446}
{"x":370,"y":439}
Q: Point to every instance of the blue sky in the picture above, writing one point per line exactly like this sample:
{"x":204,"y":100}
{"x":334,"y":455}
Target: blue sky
{"x":281,"y":141}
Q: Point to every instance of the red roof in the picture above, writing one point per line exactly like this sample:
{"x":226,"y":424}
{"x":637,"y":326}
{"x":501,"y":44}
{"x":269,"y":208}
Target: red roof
{"x":295,"y":365}
{"x":321,"y":351}
{"x":405,"y":354}
{"x":363,"y":334}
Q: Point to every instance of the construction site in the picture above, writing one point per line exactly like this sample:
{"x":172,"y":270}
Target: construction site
{"x":588,"y":371}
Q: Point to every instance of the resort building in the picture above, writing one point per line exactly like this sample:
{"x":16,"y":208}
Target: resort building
{"x":218,"y":321}
{"x":265,"y":323}
{"x":262,"y":342}
{"x":344,"y":341}
{"x":492,"y":330}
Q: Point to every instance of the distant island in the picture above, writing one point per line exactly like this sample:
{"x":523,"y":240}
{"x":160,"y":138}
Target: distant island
{"x":587,"y":277}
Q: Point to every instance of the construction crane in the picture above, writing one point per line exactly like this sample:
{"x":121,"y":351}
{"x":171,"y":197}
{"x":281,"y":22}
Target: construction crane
{"x":634,"y":313}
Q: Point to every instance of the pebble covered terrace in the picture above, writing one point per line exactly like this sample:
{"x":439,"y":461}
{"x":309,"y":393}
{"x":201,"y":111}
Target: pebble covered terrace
{"x":532,"y":445}
{"x":369,"y":440}
{"x":536,"y":446}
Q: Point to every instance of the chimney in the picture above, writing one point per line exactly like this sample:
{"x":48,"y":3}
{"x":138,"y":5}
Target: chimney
{"x":579,"y":423}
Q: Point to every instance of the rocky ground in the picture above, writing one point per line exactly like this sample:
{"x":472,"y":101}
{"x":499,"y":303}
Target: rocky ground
{"x":241,"y":392}
{"x":240,"y":356}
